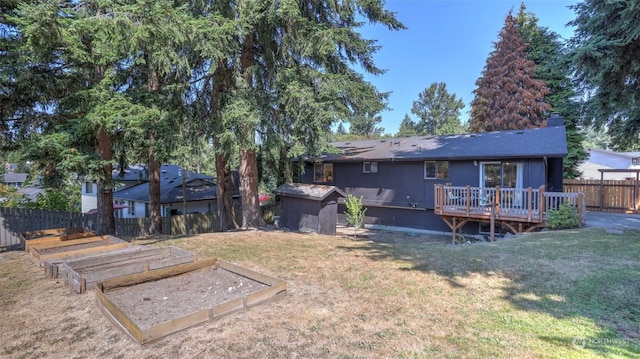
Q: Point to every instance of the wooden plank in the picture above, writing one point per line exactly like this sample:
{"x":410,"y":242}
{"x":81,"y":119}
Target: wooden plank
{"x":116,"y":315}
{"x":51,"y":266}
{"x":263,"y":295}
{"x":226,"y":308}
{"x":103,"y":258}
{"x":52,"y":231}
{"x":41,"y":259}
{"x":174,"y":326}
{"x":58,"y":243}
{"x":67,"y":237}
{"x":158,"y":274}
{"x":258,"y":277}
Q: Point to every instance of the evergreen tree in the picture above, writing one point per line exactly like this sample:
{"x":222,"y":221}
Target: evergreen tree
{"x":606,"y":54}
{"x":438,"y":111}
{"x":508,"y":96}
{"x":407,"y":127}
{"x":293,"y":79}
{"x":549,"y":54}
{"x":366,"y":126}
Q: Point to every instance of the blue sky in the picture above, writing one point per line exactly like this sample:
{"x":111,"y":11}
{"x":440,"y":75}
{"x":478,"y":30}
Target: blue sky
{"x":446,"y":41}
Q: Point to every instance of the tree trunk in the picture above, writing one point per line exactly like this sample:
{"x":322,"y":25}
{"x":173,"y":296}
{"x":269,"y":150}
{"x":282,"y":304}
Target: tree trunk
{"x":155,"y":226}
{"x":226,"y":210}
{"x":251,"y":214}
{"x":106,"y":223}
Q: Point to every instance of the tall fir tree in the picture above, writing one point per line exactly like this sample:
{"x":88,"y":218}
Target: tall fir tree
{"x":508,"y":96}
{"x":549,"y":53}
{"x":438,"y":111}
{"x":407,"y":127}
{"x":606,"y":56}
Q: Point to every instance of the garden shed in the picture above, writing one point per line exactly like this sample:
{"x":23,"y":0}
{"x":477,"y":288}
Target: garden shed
{"x":309,"y":207}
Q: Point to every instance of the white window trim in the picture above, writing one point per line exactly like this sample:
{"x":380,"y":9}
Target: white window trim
{"x":424,"y":168}
{"x":373,"y":167}
{"x":324,"y":172}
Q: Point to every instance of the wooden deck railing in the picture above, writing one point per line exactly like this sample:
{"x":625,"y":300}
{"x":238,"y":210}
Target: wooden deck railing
{"x":510,"y":204}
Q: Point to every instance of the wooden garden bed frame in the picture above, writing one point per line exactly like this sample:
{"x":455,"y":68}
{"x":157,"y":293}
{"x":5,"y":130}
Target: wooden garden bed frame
{"x":276,"y":289}
{"x":82,"y":274}
{"x":52,"y":267}
{"x":39,"y":252}
{"x":56,"y":238}
{"x":53,"y":235}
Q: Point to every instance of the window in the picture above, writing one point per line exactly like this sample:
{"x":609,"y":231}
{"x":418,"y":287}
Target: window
{"x":370,"y":167}
{"x":88,"y":187}
{"x":635,"y":161}
{"x":436,"y":169}
{"x":323,"y":172}
{"x":132,"y":208}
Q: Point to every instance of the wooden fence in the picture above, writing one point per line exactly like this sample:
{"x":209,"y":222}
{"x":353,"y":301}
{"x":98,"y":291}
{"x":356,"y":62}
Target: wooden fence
{"x":608,"y":195}
{"x":14,"y":221}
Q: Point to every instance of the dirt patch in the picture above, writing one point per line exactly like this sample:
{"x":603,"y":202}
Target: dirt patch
{"x":390,"y":237}
{"x":152,"y":303}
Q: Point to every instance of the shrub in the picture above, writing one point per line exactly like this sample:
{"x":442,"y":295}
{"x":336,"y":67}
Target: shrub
{"x":566,"y":216}
{"x":355,"y":212}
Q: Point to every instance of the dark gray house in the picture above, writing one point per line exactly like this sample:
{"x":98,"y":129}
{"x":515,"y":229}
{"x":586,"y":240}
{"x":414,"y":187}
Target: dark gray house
{"x":396,"y":177}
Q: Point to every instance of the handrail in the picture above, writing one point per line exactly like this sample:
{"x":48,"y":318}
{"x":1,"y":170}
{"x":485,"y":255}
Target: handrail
{"x":524,"y":204}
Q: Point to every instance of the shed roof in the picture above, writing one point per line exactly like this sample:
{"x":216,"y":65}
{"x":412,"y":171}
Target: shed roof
{"x":533,"y":143}
{"x":308,"y":191}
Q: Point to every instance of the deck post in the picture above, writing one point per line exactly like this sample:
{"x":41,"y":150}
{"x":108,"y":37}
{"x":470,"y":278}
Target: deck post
{"x":493,"y":222}
{"x":530,"y":204}
{"x":541,"y":203}
{"x":580,"y":206}
{"x":496,"y":202}
{"x":468,"y":199}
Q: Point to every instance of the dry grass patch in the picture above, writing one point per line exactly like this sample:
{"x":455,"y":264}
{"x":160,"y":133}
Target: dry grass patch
{"x":388,"y":296}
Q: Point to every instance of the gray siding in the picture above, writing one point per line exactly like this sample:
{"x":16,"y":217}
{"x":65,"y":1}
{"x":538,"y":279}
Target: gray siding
{"x":299,"y":214}
{"x":397,"y":180}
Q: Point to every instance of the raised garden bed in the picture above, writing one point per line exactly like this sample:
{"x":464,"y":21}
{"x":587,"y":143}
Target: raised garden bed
{"x":82,"y":274}
{"x":53,"y":235}
{"x":53,"y":266}
{"x":151,"y":305}
{"x":56,"y":238}
{"x":62,"y":249}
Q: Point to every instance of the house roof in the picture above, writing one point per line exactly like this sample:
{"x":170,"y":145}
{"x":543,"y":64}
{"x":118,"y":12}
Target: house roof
{"x":616,"y":154}
{"x":198,"y":187}
{"x":31,"y":192}
{"x":533,"y":143}
{"x":308,"y":191}
{"x":12,"y":177}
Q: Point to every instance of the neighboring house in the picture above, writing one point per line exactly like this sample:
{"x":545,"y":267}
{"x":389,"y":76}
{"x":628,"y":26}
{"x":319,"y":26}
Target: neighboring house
{"x":31,"y":192}
{"x":131,"y":200}
{"x":396,"y":177}
{"x":605,"y":159}
{"x":13,"y":179}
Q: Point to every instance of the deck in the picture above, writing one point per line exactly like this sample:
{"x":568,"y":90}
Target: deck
{"x":519,"y":210}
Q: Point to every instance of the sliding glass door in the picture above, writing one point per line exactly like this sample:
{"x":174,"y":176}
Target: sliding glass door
{"x":503,"y":174}
{"x":507,"y":175}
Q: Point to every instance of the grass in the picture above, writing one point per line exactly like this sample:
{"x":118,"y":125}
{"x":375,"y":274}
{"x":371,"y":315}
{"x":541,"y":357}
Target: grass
{"x":558,"y":294}
{"x":572,"y":293}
